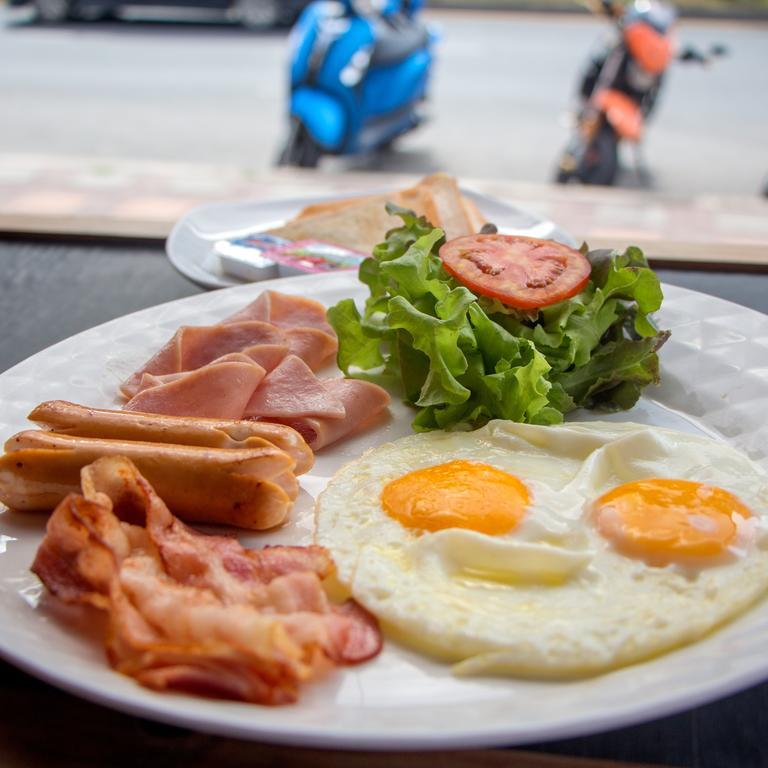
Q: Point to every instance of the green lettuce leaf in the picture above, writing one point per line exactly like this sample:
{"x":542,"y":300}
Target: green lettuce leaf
{"x":359,"y":349}
{"x":461,"y":360}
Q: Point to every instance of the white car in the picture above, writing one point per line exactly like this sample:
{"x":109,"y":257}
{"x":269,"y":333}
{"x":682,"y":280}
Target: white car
{"x":256,"y":14}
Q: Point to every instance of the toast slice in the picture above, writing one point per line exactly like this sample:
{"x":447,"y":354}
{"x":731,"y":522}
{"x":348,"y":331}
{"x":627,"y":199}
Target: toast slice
{"x":333,"y":206}
{"x":360,"y":223}
{"x":358,"y":227}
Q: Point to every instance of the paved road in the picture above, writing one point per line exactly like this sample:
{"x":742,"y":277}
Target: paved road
{"x":214,"y":93}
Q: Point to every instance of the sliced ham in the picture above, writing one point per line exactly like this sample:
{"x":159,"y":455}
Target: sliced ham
{"x":202,"y":344}
{"x":258,"y":330}
{"x":313,"y":346}
{"x":194,"y":346}
{"x":216,"y":391}
{"x":149,"y":380}
{"x":363,"y":404}
{"x":202,"y":372}
{"x":292,"y":390}
{"x":308,"y":334}
{"x":154,"y":380}
{"x":322,"y":411}
{"x":268,"y":356}
{"x":180,"y":619}
{"x":284,"y":311}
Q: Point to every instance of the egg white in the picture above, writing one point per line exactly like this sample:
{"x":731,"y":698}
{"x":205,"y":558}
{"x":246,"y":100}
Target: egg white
{"x":552,"y":598}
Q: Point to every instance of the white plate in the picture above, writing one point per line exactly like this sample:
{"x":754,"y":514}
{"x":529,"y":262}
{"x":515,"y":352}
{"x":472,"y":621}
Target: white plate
{"x":715,"y":380}
{"x":190,"y":244}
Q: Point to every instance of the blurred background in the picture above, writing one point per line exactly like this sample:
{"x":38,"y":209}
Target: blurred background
{"x":208,"y":83}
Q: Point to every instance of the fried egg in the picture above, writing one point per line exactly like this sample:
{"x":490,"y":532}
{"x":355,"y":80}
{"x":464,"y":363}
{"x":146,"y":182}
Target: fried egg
{"x":549,"y":552}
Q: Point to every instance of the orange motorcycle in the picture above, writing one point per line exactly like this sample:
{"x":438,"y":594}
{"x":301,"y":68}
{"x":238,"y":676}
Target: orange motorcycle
{"x":620,"y":87}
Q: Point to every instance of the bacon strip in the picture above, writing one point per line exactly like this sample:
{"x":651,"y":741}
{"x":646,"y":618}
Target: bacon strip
{"x":194,"y":613}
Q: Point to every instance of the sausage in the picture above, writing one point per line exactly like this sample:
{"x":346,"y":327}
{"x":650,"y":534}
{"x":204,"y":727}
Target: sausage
{"x":72,"y":419}
{"x":247,"y":487}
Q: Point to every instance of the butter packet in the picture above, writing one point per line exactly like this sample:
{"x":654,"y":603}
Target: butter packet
{"x":313,"y":256}
{"x":244,"y":257}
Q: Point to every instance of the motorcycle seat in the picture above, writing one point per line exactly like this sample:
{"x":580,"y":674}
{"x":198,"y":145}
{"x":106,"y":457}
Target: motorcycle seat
{"x":397,"y":37}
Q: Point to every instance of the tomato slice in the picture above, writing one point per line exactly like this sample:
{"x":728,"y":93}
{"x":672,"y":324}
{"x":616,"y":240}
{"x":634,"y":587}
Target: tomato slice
{"x":523,"y":272}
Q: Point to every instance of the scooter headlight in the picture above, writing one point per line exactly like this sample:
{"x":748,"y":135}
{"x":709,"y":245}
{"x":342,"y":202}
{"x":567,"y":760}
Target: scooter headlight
{"x":356,"y":68}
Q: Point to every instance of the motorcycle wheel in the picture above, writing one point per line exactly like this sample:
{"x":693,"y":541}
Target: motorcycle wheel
{"x":53,"y":11}
{"x":563,"y":177}
{"x":94,"y":11}
{"x":300,"y":149}
{"x":600,"y":163}
{"x":257,"y":14}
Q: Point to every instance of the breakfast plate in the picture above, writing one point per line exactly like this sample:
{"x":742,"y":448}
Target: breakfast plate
{"x":714,"y":382}
{"x":190,"y":245}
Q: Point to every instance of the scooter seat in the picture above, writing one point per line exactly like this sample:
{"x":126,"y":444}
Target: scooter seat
{"x":397,"y":37}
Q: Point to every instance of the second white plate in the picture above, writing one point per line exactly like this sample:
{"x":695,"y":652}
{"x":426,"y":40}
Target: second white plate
{"x":190,"y":246}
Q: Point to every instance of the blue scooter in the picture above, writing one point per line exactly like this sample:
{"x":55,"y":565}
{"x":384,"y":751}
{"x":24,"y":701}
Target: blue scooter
{"x":359,"y":73}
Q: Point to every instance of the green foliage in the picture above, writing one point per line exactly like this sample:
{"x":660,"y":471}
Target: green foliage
{"x":461,"y":360}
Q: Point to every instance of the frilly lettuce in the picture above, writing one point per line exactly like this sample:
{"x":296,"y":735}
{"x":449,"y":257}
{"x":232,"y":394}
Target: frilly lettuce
{"x":461,"y":359}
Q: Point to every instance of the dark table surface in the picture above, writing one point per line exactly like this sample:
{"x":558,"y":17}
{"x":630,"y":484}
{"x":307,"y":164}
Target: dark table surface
{"x":49,"y":291}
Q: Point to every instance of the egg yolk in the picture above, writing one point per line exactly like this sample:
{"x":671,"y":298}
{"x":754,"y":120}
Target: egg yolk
{"x":664,"y":520}
{"x":457,"y":494}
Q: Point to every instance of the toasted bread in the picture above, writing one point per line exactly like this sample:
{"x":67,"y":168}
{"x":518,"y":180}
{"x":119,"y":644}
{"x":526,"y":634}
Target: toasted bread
{"x":333,"y":206}
{"x":358,"y":227}
{"x":360,"y":223}
{"x":445,"y":205}
{"x":474,"y":215}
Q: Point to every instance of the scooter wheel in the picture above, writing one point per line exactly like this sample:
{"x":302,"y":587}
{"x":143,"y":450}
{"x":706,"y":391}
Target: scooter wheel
{"x":566,"y":168}
{"x":600,"y":164}
{"x":257,"y":14}
{"x":53,"y":11}
{"x":94,"y":11}
{"x":300,"y":149}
